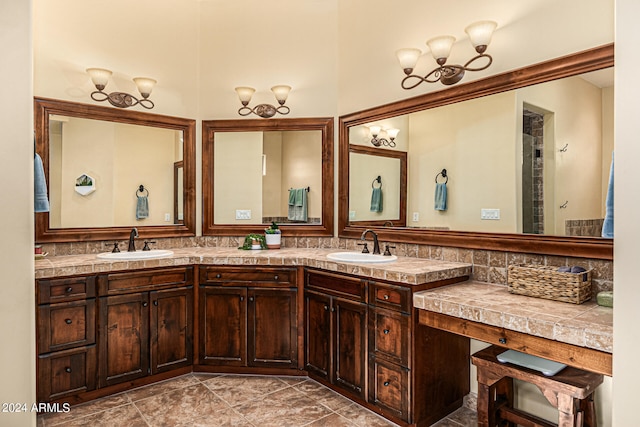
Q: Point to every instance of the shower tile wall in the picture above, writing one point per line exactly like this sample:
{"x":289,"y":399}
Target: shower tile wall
{"x":533,"y":124}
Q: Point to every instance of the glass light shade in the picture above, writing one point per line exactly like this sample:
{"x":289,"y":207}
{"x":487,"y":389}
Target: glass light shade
{"x":441,"y":46}
{"x":245,"y":93}
{"x":480,"y":32}
{"x":392,"y":133}
{"x":408,"y":58}
{"x":375,"y":130}
{"x":145,"y":85}
{"x":99,"y":76}
{"x":281,"y":92}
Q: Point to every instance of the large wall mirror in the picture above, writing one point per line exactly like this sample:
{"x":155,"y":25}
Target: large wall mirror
{"x":256,"y":172}
{"x":525,"y":155}
{"x":109,"y":170}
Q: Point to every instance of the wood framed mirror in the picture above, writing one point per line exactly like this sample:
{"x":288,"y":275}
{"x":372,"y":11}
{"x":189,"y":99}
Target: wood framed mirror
{"x":551,"y":244}
{"x":252,"y":170}
{"x":121,"y":150}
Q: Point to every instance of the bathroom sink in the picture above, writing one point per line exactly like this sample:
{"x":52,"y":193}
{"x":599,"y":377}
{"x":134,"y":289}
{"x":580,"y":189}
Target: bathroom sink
{"x":360,"y":257}
{"x":129,"y":256}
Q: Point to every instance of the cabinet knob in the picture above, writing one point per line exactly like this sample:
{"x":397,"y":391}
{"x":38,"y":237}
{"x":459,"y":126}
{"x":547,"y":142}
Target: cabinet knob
{"x":386,"y":383}
{"x":155,"y":303}
{"x":250,"y":299}
{"x":144,"y":304}
{"x":386,"y":297}
{"x":69,"y":290}
{"x":241,"y":298}
{"x":218,"y":276}
{"x":326,"y":307}
{"x":275,"y":277}
{"x":502,"y":340}
{"x":67,"y":321}
{"x":67,"y":370}
{"x":386,"y":332}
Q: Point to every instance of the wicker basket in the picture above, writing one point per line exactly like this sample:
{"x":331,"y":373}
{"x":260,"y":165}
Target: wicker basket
{"x":547,"y":282}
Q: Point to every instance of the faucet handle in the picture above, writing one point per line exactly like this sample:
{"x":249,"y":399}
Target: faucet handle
{"x":146,"y":245}
{"x":365,"y":249}
{"x":115,"y":247}
{"x":387,"y":252}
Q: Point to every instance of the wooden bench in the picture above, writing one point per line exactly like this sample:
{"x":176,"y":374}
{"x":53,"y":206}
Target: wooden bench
{"x":570,"y":391}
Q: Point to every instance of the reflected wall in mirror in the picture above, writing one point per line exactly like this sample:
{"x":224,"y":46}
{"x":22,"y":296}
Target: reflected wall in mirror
{"x":377,"y":186}
{"x":121,"y":151}
{"x":256,"y":172}
{"x":535,"y":155}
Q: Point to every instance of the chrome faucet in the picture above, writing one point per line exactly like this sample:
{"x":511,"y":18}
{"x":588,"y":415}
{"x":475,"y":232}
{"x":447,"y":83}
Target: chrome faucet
{"x":132,"y":236}
{"x":376,"y":245}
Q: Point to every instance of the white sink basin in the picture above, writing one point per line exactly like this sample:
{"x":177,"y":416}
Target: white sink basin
{"x":360,"y":257}
{"x":129,"y":256}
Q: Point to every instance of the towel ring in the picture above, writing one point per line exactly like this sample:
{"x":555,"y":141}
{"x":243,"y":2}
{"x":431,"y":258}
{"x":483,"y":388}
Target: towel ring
{"x":378,"y":180}
{"x":444,"y":175}
{"x":141,"y":190}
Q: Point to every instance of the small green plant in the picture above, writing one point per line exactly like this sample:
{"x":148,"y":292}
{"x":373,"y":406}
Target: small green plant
{"x":272,"y":229}
{"x":254,"y":239}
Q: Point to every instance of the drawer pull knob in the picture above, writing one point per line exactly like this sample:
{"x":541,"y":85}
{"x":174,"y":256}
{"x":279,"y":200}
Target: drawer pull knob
{"x":218,"y":276}
{"x":144,"y":304}
{"x":67,"y":370}
{"x":67,"y":321}
{"x":69,"y":290}
{"x":250,"y":299}
{"x":503,"y":340}
{"x":386,"y":297}
{"x":386,"y":383}
{"x":386,"y":332}
{"x":326,"y":307}
{"x":241,"y":298}
{"x":275,"y":277}
{"x":155,"y":303}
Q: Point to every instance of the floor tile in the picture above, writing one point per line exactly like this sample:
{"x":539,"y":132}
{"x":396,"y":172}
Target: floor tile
{"x":238,"y":389}
{"x":161,"y":387}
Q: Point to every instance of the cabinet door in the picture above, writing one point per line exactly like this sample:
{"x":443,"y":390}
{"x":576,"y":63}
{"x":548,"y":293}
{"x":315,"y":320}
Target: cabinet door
{"x":272,"y":331}
{"x":66,"y":373}
{"x":318,"y":334}
{"x":124,"y":338}
{"x":171,"y":329}
{"x":350,"y":345}
{"x":223,"y":314}
{"x":66,"y":325}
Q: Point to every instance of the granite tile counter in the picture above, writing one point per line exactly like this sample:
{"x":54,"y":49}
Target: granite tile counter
{"x":408,"y":270}
{"x":585,"y":325}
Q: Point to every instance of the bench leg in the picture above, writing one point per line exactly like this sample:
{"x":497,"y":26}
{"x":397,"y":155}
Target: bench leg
{"x":491,"y":398}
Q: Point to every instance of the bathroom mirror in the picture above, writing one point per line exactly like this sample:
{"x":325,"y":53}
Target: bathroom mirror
{"x":140,"y":168}
{"x":469,"y":164}
{"x":260,"y":171}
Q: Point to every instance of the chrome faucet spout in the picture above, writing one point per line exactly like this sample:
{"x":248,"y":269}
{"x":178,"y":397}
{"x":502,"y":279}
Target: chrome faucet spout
{"x":132,"y":235}
{"x":376,"y":245}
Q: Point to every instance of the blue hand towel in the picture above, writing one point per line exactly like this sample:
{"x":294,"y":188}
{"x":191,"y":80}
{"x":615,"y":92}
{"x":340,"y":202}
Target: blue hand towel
{"x":376,"y":200}
{"x":440,"y":202}
{"x":142,"y":207}
{"x":40,"y":202}
{"x":607,"y":227}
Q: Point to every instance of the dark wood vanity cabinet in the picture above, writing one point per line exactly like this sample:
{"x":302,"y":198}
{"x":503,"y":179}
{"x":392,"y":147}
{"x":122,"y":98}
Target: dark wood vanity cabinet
{"x":248,"y":318}
{"x":146,"y":321}
{"x":336,"y":331}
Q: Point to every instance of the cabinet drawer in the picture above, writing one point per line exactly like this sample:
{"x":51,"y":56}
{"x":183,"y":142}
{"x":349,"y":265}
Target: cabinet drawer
{"x":389,"y":335}
{"x":66,"y":373}
{"x":389,"y":388}
{"x":334,"y":284}
{"x":390,"y":296}
{"x":69,"y":289}
{"x":253,"y":276}
{"x":118,"y":283}
{"x":66,"y":325}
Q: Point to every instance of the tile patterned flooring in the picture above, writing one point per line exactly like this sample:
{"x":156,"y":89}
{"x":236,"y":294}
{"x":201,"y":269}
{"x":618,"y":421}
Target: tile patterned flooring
{"x":207,"y":400}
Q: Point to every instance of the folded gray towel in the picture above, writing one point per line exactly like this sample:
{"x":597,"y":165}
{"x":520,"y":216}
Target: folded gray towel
{"x":41,"y":201}
{"x":142,"y":207}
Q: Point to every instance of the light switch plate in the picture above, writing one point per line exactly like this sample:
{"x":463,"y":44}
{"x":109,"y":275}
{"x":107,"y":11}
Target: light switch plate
{"x":416,"y":216}
{"x":243,"y":213}
{"x":492,"y":214}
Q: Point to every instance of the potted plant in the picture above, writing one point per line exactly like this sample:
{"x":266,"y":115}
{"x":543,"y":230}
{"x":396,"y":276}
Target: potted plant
{"x":273,"y":236}
{"x":254,"y":241}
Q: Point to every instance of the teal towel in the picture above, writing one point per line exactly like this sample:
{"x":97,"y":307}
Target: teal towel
{"x":142,"y":207}
{"x":440,"y":202}
{"x":607,"y":227}
{"x":41,"y":201}
{"x":376,"y":200}
{"x":298,"y":205}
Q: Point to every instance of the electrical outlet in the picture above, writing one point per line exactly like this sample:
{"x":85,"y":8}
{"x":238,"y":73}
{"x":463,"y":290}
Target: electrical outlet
{"x":416,"y":216}
{"x":243,"y":213}
{"x":492,"y":214}
{"x":167,"y":217}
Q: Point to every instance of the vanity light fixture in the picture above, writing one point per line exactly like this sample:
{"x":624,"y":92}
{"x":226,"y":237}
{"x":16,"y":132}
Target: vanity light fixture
{"x":480,"y":37}
{"x":100,"y":77}
{"x":265,"y":111}
{"x":390,"y":133}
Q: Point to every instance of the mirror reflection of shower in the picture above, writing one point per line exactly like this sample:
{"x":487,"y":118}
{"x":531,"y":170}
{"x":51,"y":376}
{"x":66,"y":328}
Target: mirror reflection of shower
{"x":532,"y":172}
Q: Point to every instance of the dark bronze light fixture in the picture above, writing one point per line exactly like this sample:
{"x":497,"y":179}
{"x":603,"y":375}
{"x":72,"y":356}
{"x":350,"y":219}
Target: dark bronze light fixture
{"x":100,"y":77}
{"x":480,"y":37}
{"x":381,"y":141}
{"x":265,"y":111}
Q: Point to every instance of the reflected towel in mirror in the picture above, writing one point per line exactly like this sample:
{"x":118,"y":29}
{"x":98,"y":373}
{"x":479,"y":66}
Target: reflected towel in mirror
{"x":440,"y":203}
{"x":376,"y":200}
{"x":142,"y":207}
{"x":297,"y":205}
{"x":607,"y":227}
{"x":41,"y":201}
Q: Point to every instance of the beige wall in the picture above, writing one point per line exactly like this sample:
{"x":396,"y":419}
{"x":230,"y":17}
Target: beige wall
{"x":363,"y":170}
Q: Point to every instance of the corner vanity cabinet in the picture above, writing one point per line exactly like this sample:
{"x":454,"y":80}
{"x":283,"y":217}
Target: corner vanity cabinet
{"x":363,"y":340}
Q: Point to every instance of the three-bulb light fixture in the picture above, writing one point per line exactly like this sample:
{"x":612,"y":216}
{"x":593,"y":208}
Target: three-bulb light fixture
{"x":265,"y":111}
{"x":378,"y":139}
{"x":480,"y":36}
{"x":100,"y":77}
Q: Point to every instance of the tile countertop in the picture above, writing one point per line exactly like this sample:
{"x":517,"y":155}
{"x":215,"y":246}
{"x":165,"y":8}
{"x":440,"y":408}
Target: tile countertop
{"x":585,"y":325}
{"x":408,"y":270}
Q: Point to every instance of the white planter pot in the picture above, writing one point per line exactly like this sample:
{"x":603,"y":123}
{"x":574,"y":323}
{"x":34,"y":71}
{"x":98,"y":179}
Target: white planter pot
{"x":273,"y":240}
